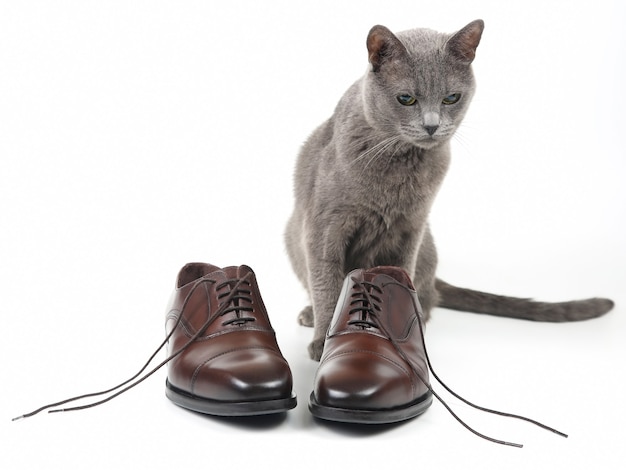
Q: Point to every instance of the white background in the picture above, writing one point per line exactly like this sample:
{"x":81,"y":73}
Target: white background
{"x":138,"y":136}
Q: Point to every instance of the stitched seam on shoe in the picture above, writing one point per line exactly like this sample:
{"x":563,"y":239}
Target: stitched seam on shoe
{"x":187,"y":331}
{"x":200,"y":366}
{"x":414,"y":324}
{"x":246,"y":328}
{"x":407,"y":334}
{"x":358,"y":332}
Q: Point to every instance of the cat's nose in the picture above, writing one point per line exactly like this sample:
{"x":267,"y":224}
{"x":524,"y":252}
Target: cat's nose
{"x":431,"y":129}
{"x":431,"y":122}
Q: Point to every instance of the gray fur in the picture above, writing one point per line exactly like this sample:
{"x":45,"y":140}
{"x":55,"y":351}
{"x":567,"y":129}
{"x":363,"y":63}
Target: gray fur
{"x":366,"y":179}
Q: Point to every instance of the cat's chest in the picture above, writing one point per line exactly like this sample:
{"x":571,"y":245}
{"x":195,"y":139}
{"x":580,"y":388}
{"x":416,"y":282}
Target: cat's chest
{"x":402,"y":186}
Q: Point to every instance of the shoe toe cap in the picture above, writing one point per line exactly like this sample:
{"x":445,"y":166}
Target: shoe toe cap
{"x":243,"y":375}
{"x":363,"y":381}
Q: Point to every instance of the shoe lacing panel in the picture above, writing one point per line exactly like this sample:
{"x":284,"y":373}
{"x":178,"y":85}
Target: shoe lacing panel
{"x":229,"y":303}
{"x":237,"y":299}
{"x":366,"y":303}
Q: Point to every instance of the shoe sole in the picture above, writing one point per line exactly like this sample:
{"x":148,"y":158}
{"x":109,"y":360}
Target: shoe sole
{"x":377,"y":416}
{"x":227,"y":408}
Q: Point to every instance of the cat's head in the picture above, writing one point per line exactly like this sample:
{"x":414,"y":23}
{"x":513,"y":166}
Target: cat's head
{"x":420,"y":82}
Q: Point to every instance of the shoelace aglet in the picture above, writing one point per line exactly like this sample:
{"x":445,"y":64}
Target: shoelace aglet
{"x":17,"y":418}
{"x":513,"y":444}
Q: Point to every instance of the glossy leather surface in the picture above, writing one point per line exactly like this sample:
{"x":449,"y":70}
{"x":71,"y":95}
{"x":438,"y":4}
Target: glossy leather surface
{"x":235,"y":357}
{"x":373,"y":355}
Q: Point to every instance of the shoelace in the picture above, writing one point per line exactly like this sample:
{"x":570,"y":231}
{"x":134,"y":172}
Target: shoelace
{"x":230,"y":302}
{"x":368,"y":319}
{"x":369,"y":304}
{"x":235,"y":295}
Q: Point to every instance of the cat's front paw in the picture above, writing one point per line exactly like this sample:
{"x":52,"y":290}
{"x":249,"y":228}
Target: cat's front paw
{"x":316,"y":348}
{"x":305,"y":318}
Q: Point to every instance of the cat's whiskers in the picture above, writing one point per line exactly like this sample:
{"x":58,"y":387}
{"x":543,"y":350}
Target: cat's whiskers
{"x":376,"y":150}
{"x":394,"y":153}
{"x":388,"y":143}
{"x":462,"y":140}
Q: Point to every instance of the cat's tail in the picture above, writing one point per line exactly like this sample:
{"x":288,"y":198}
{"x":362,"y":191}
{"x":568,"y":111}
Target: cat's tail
{"x":468,"y":300}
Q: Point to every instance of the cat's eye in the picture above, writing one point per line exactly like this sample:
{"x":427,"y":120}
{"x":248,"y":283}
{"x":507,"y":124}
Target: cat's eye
{"x":406,"y":100}
{"x":452,"y":98}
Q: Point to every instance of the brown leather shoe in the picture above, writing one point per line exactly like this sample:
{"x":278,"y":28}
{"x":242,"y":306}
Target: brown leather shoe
{"x":223,"y":357}
{"x":227,"y":361}
{"x":373,"y":368}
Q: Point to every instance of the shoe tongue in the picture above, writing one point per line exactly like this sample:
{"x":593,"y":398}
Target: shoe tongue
{"x":387,"y":273}
{"x":236,"y":272}
{"x":218,"y":275}
{"x":193,"y":271}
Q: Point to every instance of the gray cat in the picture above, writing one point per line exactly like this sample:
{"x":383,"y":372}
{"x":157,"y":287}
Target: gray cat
{"x":366,"y":179}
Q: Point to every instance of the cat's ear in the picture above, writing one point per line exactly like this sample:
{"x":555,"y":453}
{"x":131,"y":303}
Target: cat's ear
{"x":462,"y":45}
{"x":383,"y":47}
